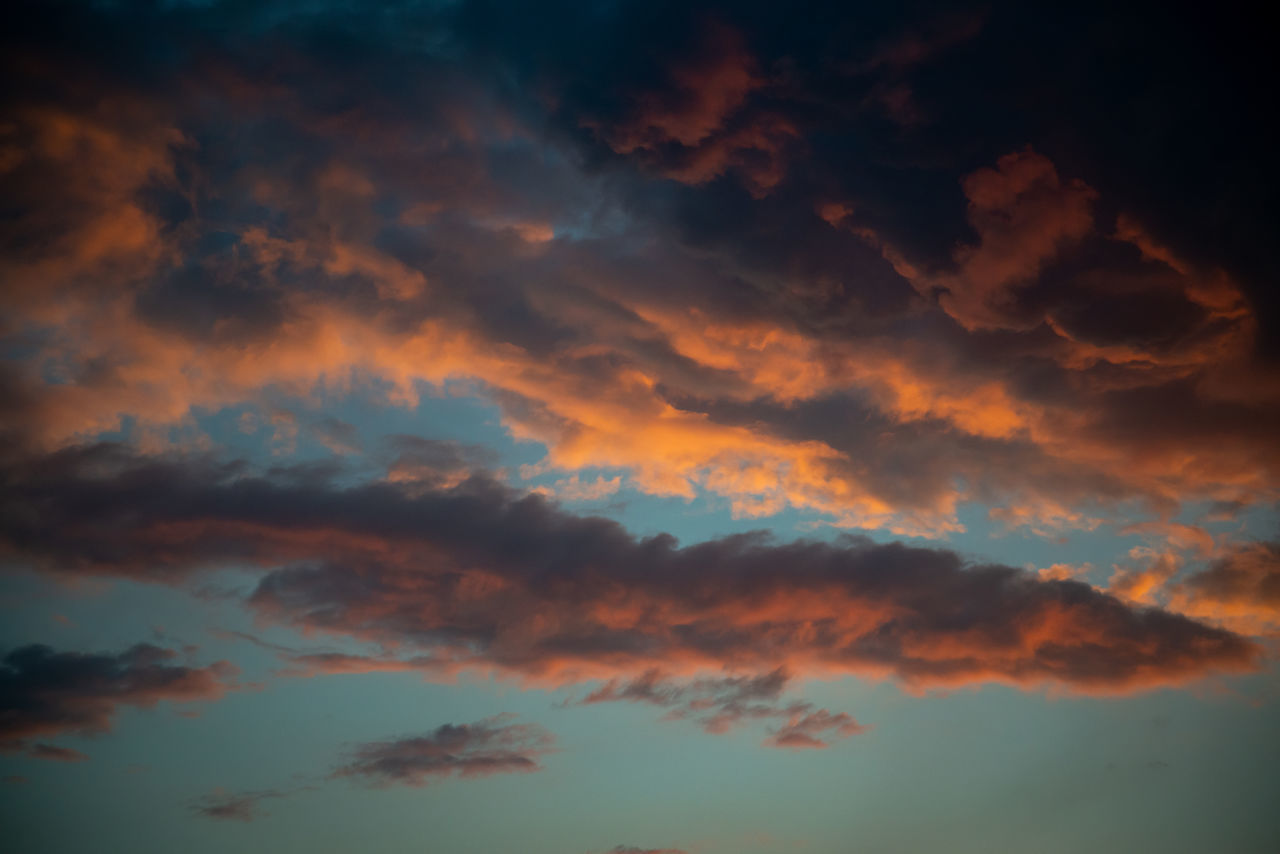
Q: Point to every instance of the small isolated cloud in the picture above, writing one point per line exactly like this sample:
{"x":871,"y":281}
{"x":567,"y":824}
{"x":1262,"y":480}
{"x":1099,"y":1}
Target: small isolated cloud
{"x":806,"y":730}
{"x":1144,"y":576}
{"x":338,"y":436}
{"x":234,"y":806}
{"x":719,"y":705}
{"x":575,"y":489}
{"x":57,"y":754}
{"x":487,"y":747}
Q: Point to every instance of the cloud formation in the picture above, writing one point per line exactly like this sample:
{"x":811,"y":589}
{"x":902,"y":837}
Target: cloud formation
{"x":487,"y":747}
{"x":1240,"y":589}
{"x":238,"y":806}
{"x":55,"y":753}
{"x":720,"y":704}
{"x":639,"y":271}
{"x":477,"y":575}
{"x":44,"y":692}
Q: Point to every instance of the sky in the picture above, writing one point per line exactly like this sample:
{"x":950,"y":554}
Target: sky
{"x":638,"y":428}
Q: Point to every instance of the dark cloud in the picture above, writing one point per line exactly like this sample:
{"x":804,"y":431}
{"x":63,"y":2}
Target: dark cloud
{"x":481,"y":749}
{"x":204,"y":220}
{"x":45,"y":692}
{"x":478,"y":575}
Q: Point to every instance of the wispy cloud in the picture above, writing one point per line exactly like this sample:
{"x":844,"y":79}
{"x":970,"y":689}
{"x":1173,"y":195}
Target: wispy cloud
{"x":487,"y":747}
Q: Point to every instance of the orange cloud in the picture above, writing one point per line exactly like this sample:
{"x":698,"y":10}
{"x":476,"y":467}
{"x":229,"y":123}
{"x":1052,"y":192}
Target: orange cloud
{"x":1240,"y":590}
{"x":1024,"y":215}
{"x":706,"y":90}
{"x":636,"y":380}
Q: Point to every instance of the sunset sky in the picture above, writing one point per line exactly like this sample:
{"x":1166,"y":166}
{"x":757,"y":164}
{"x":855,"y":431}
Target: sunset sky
{"x":638,"y":428}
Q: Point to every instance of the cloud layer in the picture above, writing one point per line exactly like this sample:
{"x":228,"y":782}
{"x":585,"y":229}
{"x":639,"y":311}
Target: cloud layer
{"x":714,"y":266}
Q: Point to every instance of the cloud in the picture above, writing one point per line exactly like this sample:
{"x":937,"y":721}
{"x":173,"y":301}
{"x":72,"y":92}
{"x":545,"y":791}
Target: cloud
{"x":238,"y":806}
{"x":714,"y":363}
{"x":487,"y":747}
{"x":57,"y":754}
{"x":805,"y":730}
{"x":1240,"y":590}
{"x":704,"y":91}
{"x":477,"y":575}
{"x":1149,"y":571}
{"x":574,"y":489}
{"x":630,"y":266}
{"x":1019,"y":312}
{"x":45,"y":692}
{"x":720,"y":704}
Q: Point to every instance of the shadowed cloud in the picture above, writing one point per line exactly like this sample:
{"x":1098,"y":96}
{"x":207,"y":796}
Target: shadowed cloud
{"x":713,"y":265}
{"x":44,"y":692}
{"x":477,"y":575}
{"x":487,"y":747}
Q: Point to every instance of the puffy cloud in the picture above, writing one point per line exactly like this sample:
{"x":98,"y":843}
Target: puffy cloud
{"x":45,"y":692}
{"x":701,"y":342}
{"x":491,"y":746}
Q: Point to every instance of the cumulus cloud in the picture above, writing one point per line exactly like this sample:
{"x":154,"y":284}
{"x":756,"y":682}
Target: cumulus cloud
{"x":46,"y":692}
{"x":487,"y":747}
